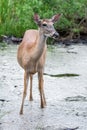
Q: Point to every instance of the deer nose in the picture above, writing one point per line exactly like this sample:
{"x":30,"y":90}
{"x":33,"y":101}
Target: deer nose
{"x":55,"y":35}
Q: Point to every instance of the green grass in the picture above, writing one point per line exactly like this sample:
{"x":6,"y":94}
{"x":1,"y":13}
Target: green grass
{"x":3,"y":45}
{"x":16,"y":16}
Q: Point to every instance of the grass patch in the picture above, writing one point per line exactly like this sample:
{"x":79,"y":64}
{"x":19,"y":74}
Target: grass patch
{"x":3,"y":45}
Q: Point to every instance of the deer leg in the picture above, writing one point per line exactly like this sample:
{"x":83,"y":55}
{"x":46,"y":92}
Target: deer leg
{"x":26,"y":79}
{"x":42,"y":95}
{"x":31,"y":97}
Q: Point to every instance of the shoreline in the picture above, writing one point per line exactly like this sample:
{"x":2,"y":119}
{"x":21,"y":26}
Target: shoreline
{"x":62,"y":40}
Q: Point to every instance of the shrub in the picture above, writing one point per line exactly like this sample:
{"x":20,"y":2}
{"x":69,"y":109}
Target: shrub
{"x":16,"y":16}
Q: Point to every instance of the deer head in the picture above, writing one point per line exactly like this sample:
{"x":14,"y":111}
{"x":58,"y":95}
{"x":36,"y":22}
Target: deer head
{"x":47,"y":25}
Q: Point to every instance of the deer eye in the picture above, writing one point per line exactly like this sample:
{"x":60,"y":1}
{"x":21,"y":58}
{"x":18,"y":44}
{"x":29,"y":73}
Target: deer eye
{"x":44,"y":24}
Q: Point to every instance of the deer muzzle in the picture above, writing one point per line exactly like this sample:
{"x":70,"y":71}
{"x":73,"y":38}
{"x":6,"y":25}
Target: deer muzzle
{"x":55,"y":35}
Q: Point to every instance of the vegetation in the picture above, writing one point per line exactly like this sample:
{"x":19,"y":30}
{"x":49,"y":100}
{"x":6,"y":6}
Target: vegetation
{"x":16,"y":16}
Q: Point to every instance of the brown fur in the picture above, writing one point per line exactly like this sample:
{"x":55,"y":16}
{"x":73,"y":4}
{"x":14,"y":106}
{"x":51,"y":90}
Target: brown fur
{"x":32,"y":53}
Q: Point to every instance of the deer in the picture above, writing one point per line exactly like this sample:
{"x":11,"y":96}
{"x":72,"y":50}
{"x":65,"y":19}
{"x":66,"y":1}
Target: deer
{"x":31,"y":54}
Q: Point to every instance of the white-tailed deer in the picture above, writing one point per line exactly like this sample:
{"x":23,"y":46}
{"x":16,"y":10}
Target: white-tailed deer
{"x":32,"y":52}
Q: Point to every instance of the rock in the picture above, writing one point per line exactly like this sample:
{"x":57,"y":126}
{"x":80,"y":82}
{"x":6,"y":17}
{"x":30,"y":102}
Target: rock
{"x":11,"y":39}
{"x":3,"y":100}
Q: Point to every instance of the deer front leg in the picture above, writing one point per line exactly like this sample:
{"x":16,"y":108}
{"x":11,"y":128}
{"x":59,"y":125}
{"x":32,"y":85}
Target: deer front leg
{"x":31,"y":97}
{"x":26,"y":79}
{"x":42,"y":95}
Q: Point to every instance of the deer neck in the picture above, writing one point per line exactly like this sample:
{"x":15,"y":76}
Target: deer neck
{"x":40,"y":45}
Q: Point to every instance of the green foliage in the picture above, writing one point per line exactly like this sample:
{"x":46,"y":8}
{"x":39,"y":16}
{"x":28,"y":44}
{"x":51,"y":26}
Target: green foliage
{"x":16,"y":16}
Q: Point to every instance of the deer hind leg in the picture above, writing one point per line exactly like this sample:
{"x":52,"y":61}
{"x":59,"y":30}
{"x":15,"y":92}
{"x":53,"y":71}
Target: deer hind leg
{"x":31,"y":97}
{"x":42,"y":95}
{"x":26,"y":79}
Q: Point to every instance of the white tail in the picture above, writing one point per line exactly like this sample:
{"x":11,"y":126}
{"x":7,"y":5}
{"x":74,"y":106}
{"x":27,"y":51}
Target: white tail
{"x":32,"y":52}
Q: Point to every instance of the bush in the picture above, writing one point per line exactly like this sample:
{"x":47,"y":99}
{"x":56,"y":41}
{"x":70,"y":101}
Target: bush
{"x":16,"y":16}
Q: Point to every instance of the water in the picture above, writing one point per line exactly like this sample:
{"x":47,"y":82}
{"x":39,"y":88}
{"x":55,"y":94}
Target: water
{"x":66,"y":96}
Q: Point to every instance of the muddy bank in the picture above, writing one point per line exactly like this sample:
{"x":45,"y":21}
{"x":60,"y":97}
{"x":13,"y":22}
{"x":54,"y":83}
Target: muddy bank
{"x":66,"y":40}
{"x":66,"y":96}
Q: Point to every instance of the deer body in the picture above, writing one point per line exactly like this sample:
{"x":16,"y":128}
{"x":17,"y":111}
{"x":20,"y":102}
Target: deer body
{"x":32,"y":52}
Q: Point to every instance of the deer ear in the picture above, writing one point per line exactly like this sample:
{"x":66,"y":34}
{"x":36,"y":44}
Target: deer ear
{"x":37,"y":19}
{"x":55,"y":18}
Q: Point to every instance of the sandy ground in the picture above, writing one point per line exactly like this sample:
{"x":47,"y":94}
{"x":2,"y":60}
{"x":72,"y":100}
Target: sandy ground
{"x":66,"y":96}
